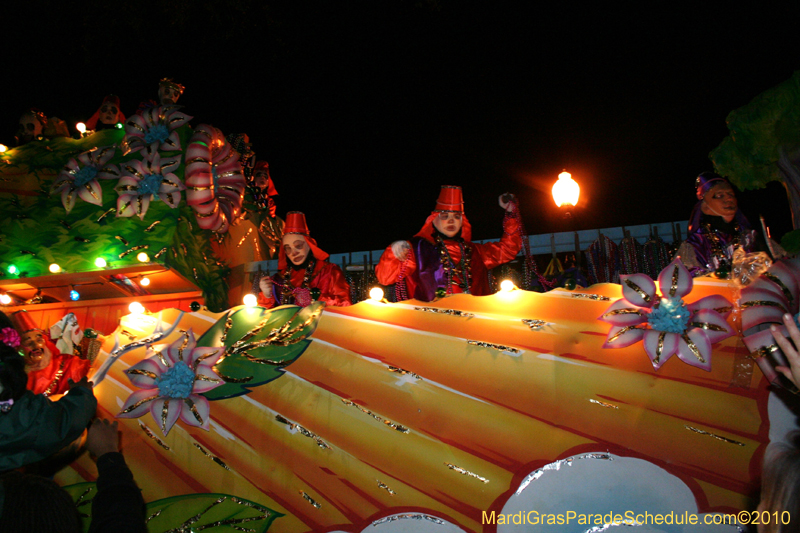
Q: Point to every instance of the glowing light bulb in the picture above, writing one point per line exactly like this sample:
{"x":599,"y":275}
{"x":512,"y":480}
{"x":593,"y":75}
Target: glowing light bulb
{"x":566,"y":190}
{"x":250,"y":300}
{"x":507,"y":285}
{"x":55,"y":268}
{"x":118,"y":125}
{"x":144,"y":282}
{"x":74,"y":295}
{"x":376,"y":294}
{"x":12,"y":269}
{"x":100,"y":262}
{"x":81,"y":127}
{"x":142,"y":257}
{"x":3,"y":148}
{"x":5,"y":299}
{"x":136,"y":308}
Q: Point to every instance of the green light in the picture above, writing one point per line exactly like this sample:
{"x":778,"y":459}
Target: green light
{"x":118,"y":125}
{"x":12,"y":269}
{"x":100,"y":262}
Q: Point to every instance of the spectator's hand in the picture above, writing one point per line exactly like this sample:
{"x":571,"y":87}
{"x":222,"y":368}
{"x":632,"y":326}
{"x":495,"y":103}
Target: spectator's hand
{"x":400,"y":249}
{"x":84,"y":382}
{"x":102,"y":437}
{"x":792,"y":373}
{"x":506,"y":202}
{"x":265,"y":284}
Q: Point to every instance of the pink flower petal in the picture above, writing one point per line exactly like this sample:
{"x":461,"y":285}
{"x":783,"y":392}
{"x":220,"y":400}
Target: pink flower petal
{"x":170,"y":164}
{"x":85,"y":159}
{"x":698,"y":353}
{"x":621,"y":313}
{"x":718,"y":303}
{"x":138,"y":403}
{"x":104,"y":154}
{"x":91,"y":193}
{"x":207,"y":356}
{"x":109,"y":172}
{"x":181,"y":349}
{"x":166,"y":412}
{"x":201,"y":410}
{"x":761,"y":314}
{"x":760,"y":297}
{"x":144,"y":374}
{"x":639,"y":290}
{"x":763,"y":338}
{"x":675,"y":281}
{"x":68,"y":196}
{"x":669,"y":345}
{"x":620,"y":337}
{"x":204,"y":385}
{"x":713,"y":324}
{"x":172,"y":143}
{"x":176,"y":119}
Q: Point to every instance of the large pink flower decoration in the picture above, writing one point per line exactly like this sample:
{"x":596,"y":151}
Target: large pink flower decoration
{"x":155,"y":129}
{"x":171,"y":382}
{"x":665,"y":323}
{"x":80,"y":176}
{"x":143,"y":179}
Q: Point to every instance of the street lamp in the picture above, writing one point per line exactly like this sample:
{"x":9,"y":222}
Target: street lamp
{"x":566,"y":190}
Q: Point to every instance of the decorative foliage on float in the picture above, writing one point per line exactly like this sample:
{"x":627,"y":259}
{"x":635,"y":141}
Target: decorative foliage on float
{"x":80,"y":176}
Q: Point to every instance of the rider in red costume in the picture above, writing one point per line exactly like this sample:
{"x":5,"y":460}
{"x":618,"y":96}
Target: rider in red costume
{"x":48,"y":370}
{"x":306,"y":276}
{"x":442,"y":258}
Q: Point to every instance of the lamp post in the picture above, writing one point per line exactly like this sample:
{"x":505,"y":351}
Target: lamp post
{"x":566,"y":191}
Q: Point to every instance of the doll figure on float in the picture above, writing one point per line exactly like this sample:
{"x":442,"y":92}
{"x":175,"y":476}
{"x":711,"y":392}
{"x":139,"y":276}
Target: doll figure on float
{"x":49,"y":371}
{"x":716,"y":228}
{"x":107,"y":116}
{"x":31,"y":126}
{"x":169,"y":91}
{"x":262,"y":190}
{"x":305,"y":274}
{"x":441,"y":259}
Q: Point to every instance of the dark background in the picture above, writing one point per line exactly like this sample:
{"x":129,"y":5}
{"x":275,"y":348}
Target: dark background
{"x":364,"y":108}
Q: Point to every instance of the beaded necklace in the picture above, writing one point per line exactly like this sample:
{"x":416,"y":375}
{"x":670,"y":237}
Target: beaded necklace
{"x":291,"y":293}
{"x":718,"y":255}
{"x":452,"y":271}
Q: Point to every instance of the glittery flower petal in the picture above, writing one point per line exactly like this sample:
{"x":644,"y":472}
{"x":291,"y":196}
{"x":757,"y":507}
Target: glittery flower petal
{"x":166,"y":412}
{"x":675,"y":281}
{"x":109,"y":172}
{"x":173,"y":182}
{"x":91,"y":193}
{"x":718,"y":303}
{"x":172,"y":143}
{"x":73,"y":165}
{"x":207,"y":356}
{"x":85,"y":159}
{"x":144,"y":374}
{"x":195,"y":411}
{"x":176,"y":119}
{"x":139,"y":403}
{"x":621,"y":313}
{"x":170,"y":164}
{"x":126,"y":205}
{"x":639,"y":290}
{"x":181,"y":349}
{"x":713,"y":324}
{"x":697,"y":351}
{"x":209,"y":380}
{"x":620,"y":337}
{"x":752,"y":298}
{"x":660,"y":346}
{"x":103,"y":155}
{"x":68,"y":196}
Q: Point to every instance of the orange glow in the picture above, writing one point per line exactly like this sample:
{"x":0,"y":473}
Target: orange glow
{"x":566,"y":190}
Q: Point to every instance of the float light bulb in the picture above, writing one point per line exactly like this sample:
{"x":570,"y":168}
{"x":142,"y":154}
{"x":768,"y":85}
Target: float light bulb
{"x":55,"y":268}
{"x":12,"y":269}
{"x":250,"y":300}
{"x":376,"y":294}
{"x":3,"y":148}
{"x":81,"y":127}
{"x":145,"y":282}
{"x":74,"y":295}
{"x":507,"y":285}
{"x":566,"y":190}
{"x":100,"y":262}
{"x":5,"y":299}
{"x":118,"y":125}
{"x":143,"y":257}
{"x":136,"y":308}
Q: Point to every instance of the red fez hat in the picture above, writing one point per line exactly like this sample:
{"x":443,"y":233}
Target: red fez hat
{"x":450,"y":199}
{"x":23,"y":322}
{"x":261,"y":165}
{"x":296,"y":224}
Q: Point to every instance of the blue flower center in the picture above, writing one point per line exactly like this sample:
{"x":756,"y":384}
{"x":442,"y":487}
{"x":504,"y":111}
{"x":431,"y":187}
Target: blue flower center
{"x":150,"y":184}
{"x":158,"y":133}
{"x":84,"y":176}
{"x":670,"y":315}
{"x":177,"y":382}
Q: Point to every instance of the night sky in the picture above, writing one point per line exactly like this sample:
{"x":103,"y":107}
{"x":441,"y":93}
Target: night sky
{"x":363,"y":109}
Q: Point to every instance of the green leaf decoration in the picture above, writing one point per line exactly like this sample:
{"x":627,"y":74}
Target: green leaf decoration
{"x":758,"y":131}
{"x":215,"y":513}
{"x":791,"y":242}
{"x":259,"y":343}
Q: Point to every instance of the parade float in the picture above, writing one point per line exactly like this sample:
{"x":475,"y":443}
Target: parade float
{"x":582,"y":408}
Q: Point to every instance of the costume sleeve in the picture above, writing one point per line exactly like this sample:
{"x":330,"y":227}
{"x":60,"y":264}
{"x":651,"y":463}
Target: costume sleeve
{"x":388,"y":268}
{"x":263,"y":301}
{"x":496,"y":253}
{"x":74,"y":411}
{"x":118,"y":505}
{"x":336,"y":291}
